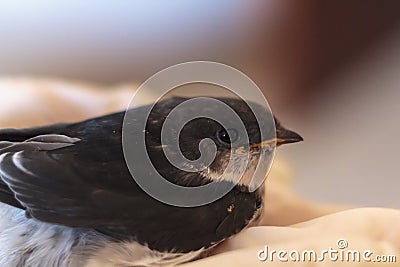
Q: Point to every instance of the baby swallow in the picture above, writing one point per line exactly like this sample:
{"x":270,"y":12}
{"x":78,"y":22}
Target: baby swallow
{"x":68,"y":198}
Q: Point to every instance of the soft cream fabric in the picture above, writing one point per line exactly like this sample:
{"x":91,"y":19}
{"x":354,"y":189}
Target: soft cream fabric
{"x":29,"y":102}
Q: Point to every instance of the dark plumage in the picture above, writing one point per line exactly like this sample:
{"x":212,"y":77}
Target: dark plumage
{"x":75,"y":175}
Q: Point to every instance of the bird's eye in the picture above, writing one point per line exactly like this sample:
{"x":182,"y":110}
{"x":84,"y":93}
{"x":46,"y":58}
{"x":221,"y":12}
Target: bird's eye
{"x":227,"y":136}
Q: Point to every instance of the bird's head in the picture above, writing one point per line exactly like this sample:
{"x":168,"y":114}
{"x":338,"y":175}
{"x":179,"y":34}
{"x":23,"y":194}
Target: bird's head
{"x":242,"y":148}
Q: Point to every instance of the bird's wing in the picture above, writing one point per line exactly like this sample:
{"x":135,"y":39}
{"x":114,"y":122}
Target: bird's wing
{"x":74,"y":175}
{"x":42,"y":175}
{"x":22,"y":166}
{"x":48,"y":142}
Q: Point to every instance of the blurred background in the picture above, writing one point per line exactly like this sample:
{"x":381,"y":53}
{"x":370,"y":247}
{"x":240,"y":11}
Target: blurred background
{"x":330,"y":70}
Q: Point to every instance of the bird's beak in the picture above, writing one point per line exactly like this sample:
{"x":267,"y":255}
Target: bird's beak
{"x":283,"y":136}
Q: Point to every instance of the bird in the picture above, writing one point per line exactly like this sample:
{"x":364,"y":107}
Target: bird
{"x":67,"y":197}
